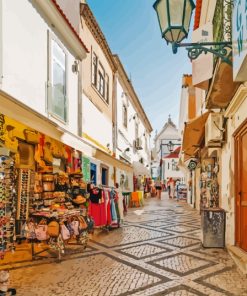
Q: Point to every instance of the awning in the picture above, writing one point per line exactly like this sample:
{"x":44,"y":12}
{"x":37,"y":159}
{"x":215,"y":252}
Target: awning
{"x":222,"y":87}
{"x":110,"y":160}
{"x":193,"y":134}
{"x":140,"y":169}
{"x":31,"y":118}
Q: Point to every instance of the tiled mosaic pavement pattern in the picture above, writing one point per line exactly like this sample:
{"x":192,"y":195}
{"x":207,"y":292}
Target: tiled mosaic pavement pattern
{"x":156,"y":252}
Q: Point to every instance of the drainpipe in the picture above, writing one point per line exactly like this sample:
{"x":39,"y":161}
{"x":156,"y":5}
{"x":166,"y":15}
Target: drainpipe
{"x":79,"y":129}
{"x":114,"y":114}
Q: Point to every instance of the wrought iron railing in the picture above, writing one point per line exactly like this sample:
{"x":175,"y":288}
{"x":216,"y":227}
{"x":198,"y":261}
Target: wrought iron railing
{"x":218,"y":21}
{"x":222,"y":22}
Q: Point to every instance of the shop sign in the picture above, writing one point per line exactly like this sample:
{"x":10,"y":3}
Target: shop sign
{"x":86,"y":169}
{"x":202,"y":67}
{"x":2,"y":131}
{"x":239,"y":40}
{"x":192,"y":165}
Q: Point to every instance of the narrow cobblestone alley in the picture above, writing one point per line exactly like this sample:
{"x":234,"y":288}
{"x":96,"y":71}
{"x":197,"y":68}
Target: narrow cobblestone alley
{"x":156,"y":252}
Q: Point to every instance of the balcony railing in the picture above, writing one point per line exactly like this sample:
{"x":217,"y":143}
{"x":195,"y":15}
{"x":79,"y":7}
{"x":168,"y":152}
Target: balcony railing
{"x":222,"y":21}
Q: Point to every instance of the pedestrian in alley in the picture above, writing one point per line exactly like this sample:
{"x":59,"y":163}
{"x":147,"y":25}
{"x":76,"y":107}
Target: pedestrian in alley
{"x":172,"y":187}
{"x":177,"y":188}
{"x":158,"y":187}
{"x":168,"y":187}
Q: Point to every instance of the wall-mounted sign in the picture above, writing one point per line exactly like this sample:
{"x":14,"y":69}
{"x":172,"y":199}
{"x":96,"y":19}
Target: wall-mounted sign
{"x":239,"y":40}
{"x":202,"y":67}
{"x":192,"y":165}
{"x":86,"y":169}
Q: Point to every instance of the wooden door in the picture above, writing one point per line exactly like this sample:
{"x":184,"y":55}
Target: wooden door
{"x":241,"y":187}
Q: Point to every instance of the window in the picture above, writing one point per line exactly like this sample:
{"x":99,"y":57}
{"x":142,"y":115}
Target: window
{"x":94,"y":69}
{"x":57,"y":104}
{"x":107,"y":88}
{"x":93,"y":173}
{"x":174,"y":165}
{"x":136,"y":130}
{"x":100,"y":80}
{"x":125,"y":116}
{"x":104,"y":175}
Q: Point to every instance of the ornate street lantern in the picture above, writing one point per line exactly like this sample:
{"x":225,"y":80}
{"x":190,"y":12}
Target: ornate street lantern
{"x":174,"y":18}
{"x":170,"y":146}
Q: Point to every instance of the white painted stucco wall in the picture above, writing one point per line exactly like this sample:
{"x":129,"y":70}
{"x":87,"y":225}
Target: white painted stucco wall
{"x":25,"y":60}
{"x":169,"y":172}
{"x":126,"y":136}
{"x":95,"y":123}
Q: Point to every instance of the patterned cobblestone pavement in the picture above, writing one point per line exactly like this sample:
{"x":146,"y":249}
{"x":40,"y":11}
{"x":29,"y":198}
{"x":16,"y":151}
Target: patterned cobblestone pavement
{"x":156,"y":252}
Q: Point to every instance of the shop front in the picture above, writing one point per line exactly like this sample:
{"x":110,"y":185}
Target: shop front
{"x":234,"y":192}
{"x":193,"y":137}
{"x":203,"y":158}
{"x":43,"y":194}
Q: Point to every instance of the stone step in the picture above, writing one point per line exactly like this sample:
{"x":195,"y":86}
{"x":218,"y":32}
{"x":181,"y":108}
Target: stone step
{"x":240,"y":258}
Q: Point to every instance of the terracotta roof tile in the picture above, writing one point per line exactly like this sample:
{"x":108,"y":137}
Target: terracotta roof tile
{"x":69,"y":24}
{"x":197,"y":14}
{"x":174,"y":154}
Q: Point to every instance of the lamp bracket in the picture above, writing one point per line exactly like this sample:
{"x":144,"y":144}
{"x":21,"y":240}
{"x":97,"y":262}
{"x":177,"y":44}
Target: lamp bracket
{"x":222,"y":50}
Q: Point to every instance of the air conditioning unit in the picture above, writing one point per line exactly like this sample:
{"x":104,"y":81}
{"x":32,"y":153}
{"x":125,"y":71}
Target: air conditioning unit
{"x":214,"y":130}
{"x":138,"y":144}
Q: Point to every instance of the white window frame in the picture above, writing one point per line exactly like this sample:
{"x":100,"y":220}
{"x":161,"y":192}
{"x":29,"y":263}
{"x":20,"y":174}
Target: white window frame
{"x":125,"y":115}
{"x":99,"y":78}
{"x":52,"y":38}
{"x":94,"y":69}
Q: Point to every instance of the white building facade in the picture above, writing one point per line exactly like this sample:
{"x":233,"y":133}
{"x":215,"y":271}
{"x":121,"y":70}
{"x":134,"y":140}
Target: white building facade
{"x":132,"y":129}
{"x":39,"y":84}
{"x":165,"y":142}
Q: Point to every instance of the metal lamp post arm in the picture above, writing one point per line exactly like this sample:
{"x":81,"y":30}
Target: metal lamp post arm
{"x":222,"y":50}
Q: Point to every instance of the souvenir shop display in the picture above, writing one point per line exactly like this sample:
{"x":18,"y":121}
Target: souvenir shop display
{"x":25,"y":190}
{"x":4,"y":284}
{"x":59,"y":211}
{"x":44,"y":199}
{"x":7,"y":204}
{"x":212,"y":217}
{"x":209,"y":186}
{"x":104,"y":207}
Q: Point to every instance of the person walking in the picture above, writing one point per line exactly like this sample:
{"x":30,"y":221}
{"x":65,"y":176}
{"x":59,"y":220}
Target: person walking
{"x":168,"y":185}
{"x":158,"y":187}
{"x":172,"y":188}
{"x":177,"y":189}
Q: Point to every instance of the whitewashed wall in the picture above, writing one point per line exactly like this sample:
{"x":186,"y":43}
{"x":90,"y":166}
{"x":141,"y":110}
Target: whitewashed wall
{"x":169,"y":172}
{"x":128,"y":134}
{"x":183,"y":111}
{"x":95,"y":123}
{"x":25,"y":60}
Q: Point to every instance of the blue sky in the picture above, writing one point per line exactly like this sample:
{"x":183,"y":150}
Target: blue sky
{"x":132,"y":31}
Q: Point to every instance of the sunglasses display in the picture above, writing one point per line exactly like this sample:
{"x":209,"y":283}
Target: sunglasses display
{"x":25,"y":189}
{"x":8,"y":183}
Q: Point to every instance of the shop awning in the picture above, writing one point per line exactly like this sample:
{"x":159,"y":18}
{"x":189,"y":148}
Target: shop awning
{"x":222,"y":87}
{"x":110,"y":160}
{"x":140,"y":169}
{"x":193,"y":134}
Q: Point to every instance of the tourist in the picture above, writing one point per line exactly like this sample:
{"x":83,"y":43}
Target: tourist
{"x":172,"y":187}
{"x":158,"y":187}
{"x":168,"y":187}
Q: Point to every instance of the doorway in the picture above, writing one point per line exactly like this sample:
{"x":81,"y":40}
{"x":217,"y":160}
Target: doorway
{"x":93,"y":173}
{"x":241,"y":186}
